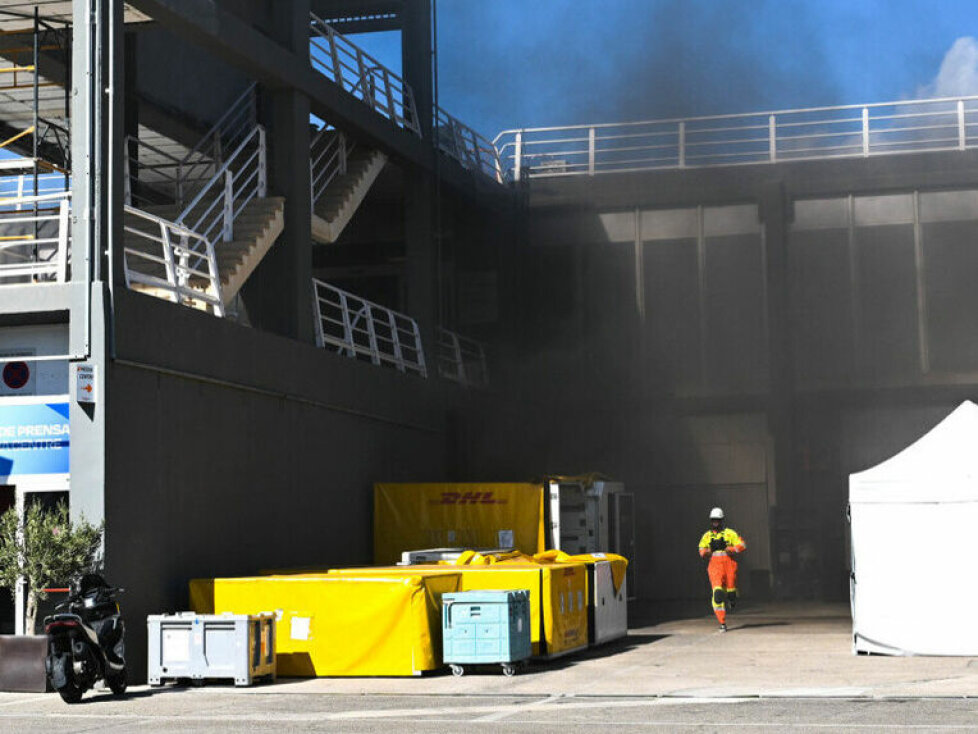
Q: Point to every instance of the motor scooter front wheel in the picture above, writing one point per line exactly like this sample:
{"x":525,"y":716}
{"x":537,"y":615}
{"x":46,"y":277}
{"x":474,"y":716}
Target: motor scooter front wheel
{"x":70,"y":692}
{"x":117,"y":683}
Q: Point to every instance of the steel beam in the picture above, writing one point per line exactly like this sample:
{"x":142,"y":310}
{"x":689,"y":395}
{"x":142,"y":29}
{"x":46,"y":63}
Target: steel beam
{"x":206,"y":23}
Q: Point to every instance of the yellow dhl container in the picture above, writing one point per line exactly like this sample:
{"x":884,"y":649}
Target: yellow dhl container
{"x":341,"y":626}
{"x":558,"y":596}
{"x":618,"y":564}
{"x":461,"y":515}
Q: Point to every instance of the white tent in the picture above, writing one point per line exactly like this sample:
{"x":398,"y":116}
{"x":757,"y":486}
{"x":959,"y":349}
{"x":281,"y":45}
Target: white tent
{"x":915,"y":545}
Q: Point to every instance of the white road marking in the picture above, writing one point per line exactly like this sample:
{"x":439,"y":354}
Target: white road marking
{"x":510,"y":710}
{"x":280,"y":718}
{"x":461,"y":713}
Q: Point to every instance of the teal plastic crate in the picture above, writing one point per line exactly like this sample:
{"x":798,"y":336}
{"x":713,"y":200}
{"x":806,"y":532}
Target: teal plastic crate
{"x":486,"y":627}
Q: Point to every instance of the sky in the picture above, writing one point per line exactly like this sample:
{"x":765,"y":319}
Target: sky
{"x":527,"y":63}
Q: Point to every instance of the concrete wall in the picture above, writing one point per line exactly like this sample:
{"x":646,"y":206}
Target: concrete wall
{"x":744,"y":337}
{"x":210,"y":479}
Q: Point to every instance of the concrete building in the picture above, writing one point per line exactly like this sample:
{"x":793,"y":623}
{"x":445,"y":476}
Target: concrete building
{"x":282,"y":267}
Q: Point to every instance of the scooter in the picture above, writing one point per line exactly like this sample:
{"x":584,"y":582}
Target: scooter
{"x":87,"y":643}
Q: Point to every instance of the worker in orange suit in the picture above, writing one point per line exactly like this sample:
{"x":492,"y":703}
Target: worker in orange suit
{"x":720,"y":545}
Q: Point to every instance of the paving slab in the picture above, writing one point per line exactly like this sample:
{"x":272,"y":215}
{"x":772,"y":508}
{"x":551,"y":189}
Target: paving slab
{"x":774,"y":650}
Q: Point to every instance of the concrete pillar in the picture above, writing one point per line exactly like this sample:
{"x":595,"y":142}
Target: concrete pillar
{"x":422,"y":291}
{"x":278,"y":295}
{"x":421,"y":190}
{"x":416,"y":58}
{"x":97,"y":115}
{"x":775,"y":214}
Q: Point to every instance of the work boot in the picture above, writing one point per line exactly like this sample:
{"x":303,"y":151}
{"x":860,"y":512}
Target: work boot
{"x":731,"y":601}
{"x":723,"y":626}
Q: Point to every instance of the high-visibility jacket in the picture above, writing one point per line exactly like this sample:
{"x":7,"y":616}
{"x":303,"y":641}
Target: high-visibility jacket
{"x":734,"y":542}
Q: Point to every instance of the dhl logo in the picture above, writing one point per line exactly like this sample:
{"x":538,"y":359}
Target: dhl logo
{"x":469,"y":498}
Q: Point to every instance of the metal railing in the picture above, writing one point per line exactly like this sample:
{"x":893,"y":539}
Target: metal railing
{"x":762,"y":137}
{"x":163,"y":177}
{"x":15,"y":188}
{"x":242,"y":177}
{"x":461,"y":360}
{"x":35,"y":233}
{"x":354,"y":70}
{"x":360,"y":329}
{"x":328,"y":153}
{"x":461,"y":142}
{"x":170,"y":261}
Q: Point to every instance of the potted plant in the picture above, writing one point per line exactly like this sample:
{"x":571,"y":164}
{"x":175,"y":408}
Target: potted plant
{"x":44,"y":548}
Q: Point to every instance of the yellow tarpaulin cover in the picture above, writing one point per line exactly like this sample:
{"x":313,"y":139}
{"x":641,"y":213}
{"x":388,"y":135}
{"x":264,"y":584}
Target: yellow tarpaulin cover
{"x":469,"y":515}
{"x":619,"y":564}
{"x":558,"y":595}
{"x":342,"y":626}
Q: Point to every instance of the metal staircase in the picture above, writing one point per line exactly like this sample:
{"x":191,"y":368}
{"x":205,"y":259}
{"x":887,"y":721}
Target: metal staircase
{"x":217,"y":190}
{"x":341,"y":174}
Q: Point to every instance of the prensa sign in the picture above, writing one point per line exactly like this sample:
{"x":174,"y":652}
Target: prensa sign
{"x":35,"y":435}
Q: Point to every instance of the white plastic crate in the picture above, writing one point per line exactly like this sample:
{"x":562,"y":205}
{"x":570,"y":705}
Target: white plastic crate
{"x":211,"y":647}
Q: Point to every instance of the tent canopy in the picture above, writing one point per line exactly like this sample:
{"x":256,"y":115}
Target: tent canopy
{"x":912,"y":523}
{"x":942,"y":466}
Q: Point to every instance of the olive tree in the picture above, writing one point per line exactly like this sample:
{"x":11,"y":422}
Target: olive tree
{"x":45,"y":548}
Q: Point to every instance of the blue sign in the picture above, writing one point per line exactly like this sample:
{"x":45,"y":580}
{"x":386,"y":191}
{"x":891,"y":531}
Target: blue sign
{"x":34,"y":441}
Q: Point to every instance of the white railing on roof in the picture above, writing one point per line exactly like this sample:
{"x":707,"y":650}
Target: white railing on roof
{"x":353,"y":69}
{"x":328,"y":154}
{"x":461,"y":359}
{"x":360,"y":329}
{"x":762,"y":137}
{"x":35,"y":235}
{"x":170,"y":261}
{"x":242,"y":177}
{"x":465,"y":145}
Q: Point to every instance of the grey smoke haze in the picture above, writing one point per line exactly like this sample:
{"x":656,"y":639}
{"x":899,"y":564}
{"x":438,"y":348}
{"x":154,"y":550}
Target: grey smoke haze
{"x":511,"y":63}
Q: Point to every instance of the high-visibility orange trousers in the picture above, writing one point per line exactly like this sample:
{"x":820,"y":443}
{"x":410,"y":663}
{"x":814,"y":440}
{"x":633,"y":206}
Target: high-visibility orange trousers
{"x":723,"y":579}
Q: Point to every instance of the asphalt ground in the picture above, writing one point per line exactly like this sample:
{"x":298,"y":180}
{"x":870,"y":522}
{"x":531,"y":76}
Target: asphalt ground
{"x":778,"y":668}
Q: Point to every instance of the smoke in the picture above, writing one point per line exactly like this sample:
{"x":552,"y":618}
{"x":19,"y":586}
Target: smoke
{"x":958,"y":75}
{"x":510,"y":63}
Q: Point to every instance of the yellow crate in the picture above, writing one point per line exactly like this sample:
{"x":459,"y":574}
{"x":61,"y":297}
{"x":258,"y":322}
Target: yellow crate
{"x":341,"y":626}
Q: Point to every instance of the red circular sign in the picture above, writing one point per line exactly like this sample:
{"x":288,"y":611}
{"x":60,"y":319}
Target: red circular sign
{"x":16,"y":374}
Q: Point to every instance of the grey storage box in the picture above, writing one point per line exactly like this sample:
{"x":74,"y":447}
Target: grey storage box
{"x":202,"y":647}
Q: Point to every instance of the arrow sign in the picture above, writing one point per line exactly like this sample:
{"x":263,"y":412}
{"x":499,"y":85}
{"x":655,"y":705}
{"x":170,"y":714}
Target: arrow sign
{"x":85,"y":383}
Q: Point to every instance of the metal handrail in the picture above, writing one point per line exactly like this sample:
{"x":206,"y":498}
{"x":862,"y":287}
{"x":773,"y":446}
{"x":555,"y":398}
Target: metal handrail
{"x":16,"y":188}
{"x":329,"y":152}
{"x":461,"y":359}
{"x":35,"y":234}
{"x":242,"y":178}
{"x":354,"y":70}
{"x":359,"y":328}
{"x":948,"y":123}
{"x":171,"y":261}
{"x":244,"y":104}
{"x":461,"y":142}
{"x":180,"y":178}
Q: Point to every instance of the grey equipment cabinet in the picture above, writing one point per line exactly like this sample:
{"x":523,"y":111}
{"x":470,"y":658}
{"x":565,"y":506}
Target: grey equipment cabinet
{"x":201,"y":647}
{"x":592,"y":516}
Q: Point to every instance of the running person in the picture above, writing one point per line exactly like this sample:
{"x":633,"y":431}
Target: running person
{"x":719,"y":544}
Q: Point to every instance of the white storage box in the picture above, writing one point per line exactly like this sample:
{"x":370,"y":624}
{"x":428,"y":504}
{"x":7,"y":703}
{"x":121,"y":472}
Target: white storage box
{"x":211,"y":646}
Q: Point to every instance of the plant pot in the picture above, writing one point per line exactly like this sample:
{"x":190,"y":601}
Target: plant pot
{"x":22,"y":663}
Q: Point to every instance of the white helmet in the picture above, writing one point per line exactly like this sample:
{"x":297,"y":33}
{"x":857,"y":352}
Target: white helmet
{"x":716,"y":513}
